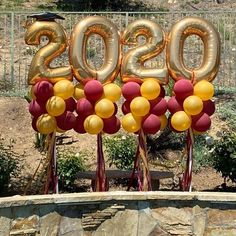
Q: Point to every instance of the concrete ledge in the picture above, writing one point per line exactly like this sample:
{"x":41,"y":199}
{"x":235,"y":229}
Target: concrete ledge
{"x":83,"y":198}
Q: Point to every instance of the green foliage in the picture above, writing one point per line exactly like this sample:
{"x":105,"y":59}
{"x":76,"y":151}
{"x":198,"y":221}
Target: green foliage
{"x":201,"y":154}
{"x":224,"y":156}
{"x":121,"y":150}
{"x":227,"y":113}
{"x":9,"y":167}
{"x":169,"y":87}
{"x":102,"y":5}
{"x":68,"y":166}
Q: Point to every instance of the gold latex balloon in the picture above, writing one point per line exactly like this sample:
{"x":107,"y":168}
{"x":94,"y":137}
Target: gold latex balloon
{"x":77,"y":50}
{"x":180,"y":121}
{"x":193,"y":105}
{"x":40,"y":64}
{"x":150,"y":89}
{"x":204,"y":90}
{"x":55,"y":106}
{"x":140,"y":106}
{"x":93,"y":124}
{"x":104,"y":108}
{"x":131,"y":123}
{"x":211,"y":40}
{"x":164,"y":122}
{"x":112,"y":92}
{"x":78,"y":91}
{"x":63,"y":89}
{"x":46,"y":124}
{"x":133,"y":61}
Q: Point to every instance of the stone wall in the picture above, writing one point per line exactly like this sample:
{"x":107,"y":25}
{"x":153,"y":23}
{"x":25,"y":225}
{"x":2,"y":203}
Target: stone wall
{"x":119,"y":214}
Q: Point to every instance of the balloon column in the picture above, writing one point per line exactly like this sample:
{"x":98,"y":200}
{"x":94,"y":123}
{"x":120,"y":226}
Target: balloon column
{"x":191,"y":106}
{"x":95,"y":93}
{"x":144,"y":106}
{"x":52,"y":104}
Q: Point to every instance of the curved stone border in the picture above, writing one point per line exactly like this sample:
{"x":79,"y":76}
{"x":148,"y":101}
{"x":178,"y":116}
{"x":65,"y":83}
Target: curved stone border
{"x":83,"y":198}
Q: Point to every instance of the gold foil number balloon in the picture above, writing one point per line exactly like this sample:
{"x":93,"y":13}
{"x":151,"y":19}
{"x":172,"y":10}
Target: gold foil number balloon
{"x":40,"y":64}
{"x":133,"y":61}
{"x":211,"y":40}
{"x":80,"y":35}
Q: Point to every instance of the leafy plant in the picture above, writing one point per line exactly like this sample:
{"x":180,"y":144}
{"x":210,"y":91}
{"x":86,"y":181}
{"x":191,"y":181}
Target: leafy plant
{"x":121,"y":150}
{"x":9,"y":167}
{"x":227,"y":112}
{"x":224,"y":156}
{"x":68,"y":166}
{"x":201,"y":155}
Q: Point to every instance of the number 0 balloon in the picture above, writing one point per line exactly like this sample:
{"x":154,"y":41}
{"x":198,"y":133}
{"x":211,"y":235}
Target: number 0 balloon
{"x":211,"y":40}
{"x":80,"y":35}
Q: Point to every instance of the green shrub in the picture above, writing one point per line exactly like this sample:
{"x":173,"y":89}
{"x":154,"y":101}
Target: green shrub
{"x":121,"y":150}
{"x":226,"y":112}
{"x":9,"y":167}
{"x":201,"y":154}
{"x":224,"y":156}
{"x":68,"y":165}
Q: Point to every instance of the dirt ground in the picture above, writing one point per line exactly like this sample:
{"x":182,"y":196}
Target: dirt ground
{"x":15,"y":130}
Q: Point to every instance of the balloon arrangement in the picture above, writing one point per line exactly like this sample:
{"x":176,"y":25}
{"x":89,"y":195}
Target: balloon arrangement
{"x":97,"y":110}
{"x":191,"y":107}
{"x":56,"y":100}
{"x":145,"y":106}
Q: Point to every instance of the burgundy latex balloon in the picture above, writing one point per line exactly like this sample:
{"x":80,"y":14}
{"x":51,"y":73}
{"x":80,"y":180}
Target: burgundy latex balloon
{"x":70,"y":104}
{"x":201,"y":122}
{"x":66,"y":121}
{"x":79,"y":125}
{"x":158,"y":106}
{"x":131,"y":90}
{"x":116,"y":109}
{"x":93,"y":90}
{"x":183,"y":88}
{"x":208,"y":107}
{"x":111,"y":125}
{"x":84,"y":107}
{"x":126,"y":107}
{"x":174,"y":105}
{"x":37,"y":108}
{"x":162,"y":92}
{"x":33,"y":123}
{"x":151,"y":124}
{"x":43,"y":90}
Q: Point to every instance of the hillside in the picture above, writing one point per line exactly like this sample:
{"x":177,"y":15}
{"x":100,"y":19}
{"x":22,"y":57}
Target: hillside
{"x":120,"y":5}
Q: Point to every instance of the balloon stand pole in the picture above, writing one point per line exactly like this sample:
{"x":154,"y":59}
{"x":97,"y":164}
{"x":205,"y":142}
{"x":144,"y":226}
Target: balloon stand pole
{"x":100,"y":171}
{"x":52,"y":178}
{"x":187,"y":176}
{"x":136,"y":169}
{"x":141,"y":154}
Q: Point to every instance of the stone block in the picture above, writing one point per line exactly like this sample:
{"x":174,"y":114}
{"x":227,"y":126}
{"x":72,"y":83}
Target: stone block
{"x":70,"y":227}
{"x":173,"y":220}
{"x":123,"y":223}
{"x":50,"y":224}
{"x":5,"y":226}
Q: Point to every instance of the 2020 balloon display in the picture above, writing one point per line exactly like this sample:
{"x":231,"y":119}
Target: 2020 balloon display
{"x":56,"y":100}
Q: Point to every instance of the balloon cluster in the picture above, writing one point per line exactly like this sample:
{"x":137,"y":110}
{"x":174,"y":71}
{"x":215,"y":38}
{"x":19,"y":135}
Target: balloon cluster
{"x":96,"y":107}
{"x":191,"y":106}
{"x":144,"y":107}
{"x":52,"y":106}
